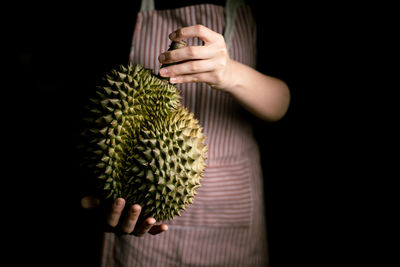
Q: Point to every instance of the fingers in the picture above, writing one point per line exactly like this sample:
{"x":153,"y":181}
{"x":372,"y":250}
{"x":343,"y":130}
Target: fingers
{"x":200,"y":31}
{"x":188,"y":53}
{"x":129,"y":222}
{"x":90,"y":202}
{"x":212,"y":72}
{"x":158,"y":229}
{"x":116,"y":211}
{"x":144,"y":227}
{"x":148,"y":226}
{"x":207,"y":77}
{"x":208,"y":63}
{"x":190,"y":67}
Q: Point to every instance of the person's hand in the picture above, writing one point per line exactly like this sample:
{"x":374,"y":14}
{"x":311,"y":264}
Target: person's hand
{"x":125,"y":222}
{"x":209,"y":63}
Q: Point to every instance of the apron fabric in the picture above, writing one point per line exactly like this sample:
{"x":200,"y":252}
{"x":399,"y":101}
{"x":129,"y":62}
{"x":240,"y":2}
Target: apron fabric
{"x":225,"y":225}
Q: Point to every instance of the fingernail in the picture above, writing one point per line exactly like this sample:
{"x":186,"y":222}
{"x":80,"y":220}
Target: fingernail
{"x":161,"y":58}
{"x":151,"y":221}
{"x":163,"y":71}
{"x":118,"y":203}
{"x":136,"y":208}
{"x":172,"y":36}
{"x":173,"y":80}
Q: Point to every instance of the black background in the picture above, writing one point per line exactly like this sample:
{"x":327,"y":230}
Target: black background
{"x":62,"y":51}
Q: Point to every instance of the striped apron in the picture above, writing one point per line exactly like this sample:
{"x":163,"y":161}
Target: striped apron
{"x":225,"y":225}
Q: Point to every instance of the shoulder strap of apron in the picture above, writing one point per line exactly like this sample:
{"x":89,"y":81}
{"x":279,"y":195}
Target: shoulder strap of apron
{"x":147,"y":5}
{"x":230,"y":16}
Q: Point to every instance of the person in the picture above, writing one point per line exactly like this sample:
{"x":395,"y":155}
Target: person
{"x":225,"y":226}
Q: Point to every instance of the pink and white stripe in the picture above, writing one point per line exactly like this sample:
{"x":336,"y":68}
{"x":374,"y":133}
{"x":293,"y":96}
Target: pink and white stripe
{"x":225,"y":225}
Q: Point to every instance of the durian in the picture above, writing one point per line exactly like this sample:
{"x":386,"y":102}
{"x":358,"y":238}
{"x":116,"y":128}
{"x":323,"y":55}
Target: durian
{"x":143,"y":145}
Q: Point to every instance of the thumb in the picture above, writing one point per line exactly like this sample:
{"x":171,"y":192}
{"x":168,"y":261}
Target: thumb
{"x":90,"y":202}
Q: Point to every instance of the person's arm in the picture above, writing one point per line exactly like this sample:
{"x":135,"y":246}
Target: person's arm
{"x":264,"y":96}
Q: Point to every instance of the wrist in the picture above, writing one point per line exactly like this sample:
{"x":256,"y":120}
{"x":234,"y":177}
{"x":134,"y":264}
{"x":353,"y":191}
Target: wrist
{"x":223,"y":78}
{"x":232,"y":78}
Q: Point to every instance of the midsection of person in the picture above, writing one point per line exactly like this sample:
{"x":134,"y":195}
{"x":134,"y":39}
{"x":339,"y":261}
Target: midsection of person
{"x":227,"y":181}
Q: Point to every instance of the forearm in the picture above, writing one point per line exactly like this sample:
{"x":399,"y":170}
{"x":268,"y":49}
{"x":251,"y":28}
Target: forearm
{"x":264,"y":96}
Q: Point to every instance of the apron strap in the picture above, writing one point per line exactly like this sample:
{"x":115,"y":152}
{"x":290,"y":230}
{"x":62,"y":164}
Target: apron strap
{"x":147,"y":5}
{"x":230,"y":16}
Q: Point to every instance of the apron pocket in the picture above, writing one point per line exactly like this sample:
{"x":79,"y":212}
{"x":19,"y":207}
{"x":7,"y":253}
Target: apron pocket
{"x":224,"y":199}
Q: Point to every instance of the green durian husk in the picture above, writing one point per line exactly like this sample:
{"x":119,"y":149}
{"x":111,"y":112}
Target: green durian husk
{"x":144,"y":146}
